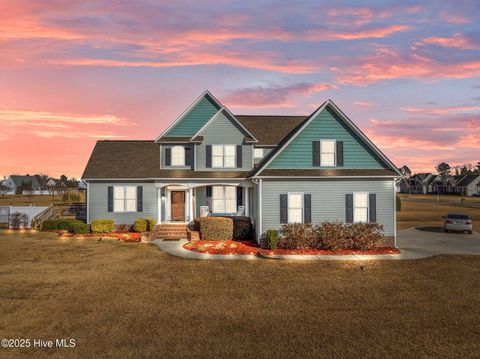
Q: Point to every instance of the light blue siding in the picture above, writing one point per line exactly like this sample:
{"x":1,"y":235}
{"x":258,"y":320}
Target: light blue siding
{"x":194,"y":119}
{"x":327,"y":125}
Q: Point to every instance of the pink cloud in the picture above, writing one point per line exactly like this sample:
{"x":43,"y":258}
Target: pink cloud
{"x":441,"y":110}
{"x":458,"y":41}
{"x":363,"y":104}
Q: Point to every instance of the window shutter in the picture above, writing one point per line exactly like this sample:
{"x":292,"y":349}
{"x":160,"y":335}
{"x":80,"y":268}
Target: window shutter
{"x":307,"y":208}
{"x":188,"y":155}
{"x":110,"y":199}
{"x":139,"y":199}
{"x":339,"y":153}
{"x":239,"y":156}
{"x":208,"y":159}
{"x":239,"y":196}
{"x":316,"y":153}
{"x":208,"y":191}
{"x":283,"y":209}
{"x":372,"y":207}
{"x":349,"y":208}
{"x":168,"y":156}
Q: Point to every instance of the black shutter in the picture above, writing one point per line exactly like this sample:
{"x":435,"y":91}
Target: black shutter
{"x":188,"y":155}
{"x":372,"y":206}
{"x":283,"y":209}
{"x":349,"y":208}
{"x":110,"y":199}
{"x":208,"y":195}
{"x":307,"y":208}
{"x":139,"y":199}
{"x":340,"y":153}
{"x":239,"y":156}
{"x":168,"y":156}
{"x":208,"y":153}
{"x":239,"y":196}
{"x":316,"y":153}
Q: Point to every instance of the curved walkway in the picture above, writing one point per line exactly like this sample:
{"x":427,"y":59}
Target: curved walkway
{"x":413,"y":244}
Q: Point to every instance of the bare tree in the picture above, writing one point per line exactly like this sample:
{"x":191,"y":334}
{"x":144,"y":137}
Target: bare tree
{"x":28,"y":190}
{"x":42,"y":180}
{"x":4,"y":190}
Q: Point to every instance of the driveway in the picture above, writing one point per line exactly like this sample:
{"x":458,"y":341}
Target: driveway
{"x":428,"y":241}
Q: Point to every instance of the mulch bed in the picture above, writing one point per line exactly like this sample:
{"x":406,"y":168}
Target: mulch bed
{"x":251,"y":247}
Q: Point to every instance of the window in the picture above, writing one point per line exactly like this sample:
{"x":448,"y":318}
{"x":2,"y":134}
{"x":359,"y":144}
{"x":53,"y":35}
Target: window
{"x":327,"y":152}
{"x":224,"y":156}
{"x":178,"y":156}
{"x":295,"y":208}
{"x":124,"y":198}
{"x":258,"y":153}
{"x":360,"y":207}
{"x":224,"y":199}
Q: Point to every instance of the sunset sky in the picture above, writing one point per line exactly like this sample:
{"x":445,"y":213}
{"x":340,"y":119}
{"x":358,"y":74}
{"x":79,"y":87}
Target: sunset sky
{"x":73,"y":72}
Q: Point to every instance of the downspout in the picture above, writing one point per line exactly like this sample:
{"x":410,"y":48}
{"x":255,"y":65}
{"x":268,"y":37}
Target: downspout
{"x":88,"y":201}
{"x":258,"y":181}
{"x":394,"y":214}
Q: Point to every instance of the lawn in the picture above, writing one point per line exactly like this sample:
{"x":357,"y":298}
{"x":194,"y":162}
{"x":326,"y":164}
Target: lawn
{"x":37,"y":200}
{"x":132,"y":300}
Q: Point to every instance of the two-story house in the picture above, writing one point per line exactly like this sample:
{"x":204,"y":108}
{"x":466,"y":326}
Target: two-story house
{"x":273,"y":169}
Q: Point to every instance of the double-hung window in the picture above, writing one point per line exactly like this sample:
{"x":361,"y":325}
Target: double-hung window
{"x":124,"y":198}
{"x":224,"y":199}
{"x":224,"y":156}
{"x":178,"y":156}
{"x":295,"y":208}
{"x":360,"y":207}
{"x":327,"y":153}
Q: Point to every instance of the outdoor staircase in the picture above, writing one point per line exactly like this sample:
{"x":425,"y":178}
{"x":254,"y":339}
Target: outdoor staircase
{"x":171,"y":232}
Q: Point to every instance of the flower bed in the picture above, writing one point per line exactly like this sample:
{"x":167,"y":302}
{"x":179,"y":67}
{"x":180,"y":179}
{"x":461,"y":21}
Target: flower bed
{"x":250,"y":247}
{"x":124,"y":236}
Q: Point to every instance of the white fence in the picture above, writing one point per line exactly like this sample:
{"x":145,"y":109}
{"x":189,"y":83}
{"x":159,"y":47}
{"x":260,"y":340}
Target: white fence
{"x":30,"y":211}
{"x":35,"y":193}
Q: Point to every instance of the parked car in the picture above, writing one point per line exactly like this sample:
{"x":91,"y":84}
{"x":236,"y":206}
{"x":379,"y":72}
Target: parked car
{"x":457,"y":222}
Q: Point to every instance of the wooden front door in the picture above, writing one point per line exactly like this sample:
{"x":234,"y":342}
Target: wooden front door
{"x":178,"y":206}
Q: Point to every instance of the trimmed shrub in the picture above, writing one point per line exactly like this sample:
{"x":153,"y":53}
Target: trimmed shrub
{"x":216,"y":228}
{"x":102,"y":226}
{"x":123,"y":228}
{"x":272,"y":239}
{"x":140,"y":225}
{"x":242,"y":228}
{"x":65,"y":224}
{"x":331,"y":236}
{"x":398,"y":203}
{"x":296,"y":236}
{"x":79,"y":228}
{"x":151,"y":223}
{"x":50,"y":224}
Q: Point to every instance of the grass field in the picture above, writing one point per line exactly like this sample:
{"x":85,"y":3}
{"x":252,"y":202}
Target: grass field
{"x":132,"y":300}
{"x":37,"y":200}
{"x":441,"y":198}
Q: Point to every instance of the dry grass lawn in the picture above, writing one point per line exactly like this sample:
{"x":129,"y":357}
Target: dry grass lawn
{"x":441,"y":198}
{"x":37,"y":200}
{"x":128,"y":300}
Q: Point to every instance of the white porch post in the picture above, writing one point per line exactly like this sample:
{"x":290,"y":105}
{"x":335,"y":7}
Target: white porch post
{"x":245,"y":196}
{"x":190,"y":204}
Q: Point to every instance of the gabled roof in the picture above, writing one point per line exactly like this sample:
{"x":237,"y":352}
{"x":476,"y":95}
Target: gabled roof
{"x":303,"y":124}
{"x":17,"y":180}
{"x":466,"y":180}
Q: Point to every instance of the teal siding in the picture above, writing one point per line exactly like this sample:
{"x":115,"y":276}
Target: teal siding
{"x":194,"y":119}
{"x":327,"y":125}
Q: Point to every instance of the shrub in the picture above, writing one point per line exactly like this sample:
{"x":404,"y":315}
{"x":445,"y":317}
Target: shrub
{"x":123,"y":228}
{"x":50,"y":224}
{"x":216,"y":228}
{"x":151,"y":223}
{"x":296,"y":236}
{"x":79,"y":228}
{"x":364,"y":236}
{"x":272,"y":239}
{"x":102,"y":226}
{"x":398,"y":203}
{"x":140,"y":225}
{"x":64,"y":224}
{"x":331,"y":236}
{"x":242,"y":228}
{"x":19,"y":220}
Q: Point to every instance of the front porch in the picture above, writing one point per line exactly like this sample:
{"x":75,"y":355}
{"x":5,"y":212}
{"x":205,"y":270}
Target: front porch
{"x":179,"y":202}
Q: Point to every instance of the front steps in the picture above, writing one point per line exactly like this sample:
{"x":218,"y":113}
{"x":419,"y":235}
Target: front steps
{"x":171,"y":232}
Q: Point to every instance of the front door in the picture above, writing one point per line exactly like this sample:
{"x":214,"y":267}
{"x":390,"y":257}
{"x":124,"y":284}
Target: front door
{"x":178,"y":206}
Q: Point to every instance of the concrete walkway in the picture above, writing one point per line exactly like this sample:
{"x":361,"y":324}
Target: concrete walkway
{"x":413,"y":244}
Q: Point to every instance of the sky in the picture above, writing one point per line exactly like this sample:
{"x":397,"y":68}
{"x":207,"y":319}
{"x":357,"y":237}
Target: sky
{"x":74,"y":72}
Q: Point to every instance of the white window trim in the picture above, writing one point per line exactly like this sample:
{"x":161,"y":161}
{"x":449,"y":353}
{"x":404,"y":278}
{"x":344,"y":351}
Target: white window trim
{"x":224,"y":156}
{"x":258,"y":149}
{"x":334,"y":152}
{"x":368,"y":207}
{"x":171,"y":156}
{"x":125,"y":199}
{"x":303,"y":206}
{"x":224,"y":200}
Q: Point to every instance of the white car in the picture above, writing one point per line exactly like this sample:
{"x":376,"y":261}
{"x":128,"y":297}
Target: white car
{"x":457,"y":222}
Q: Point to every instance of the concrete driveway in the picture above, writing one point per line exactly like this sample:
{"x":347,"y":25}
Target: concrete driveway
{"x":430,"y":241}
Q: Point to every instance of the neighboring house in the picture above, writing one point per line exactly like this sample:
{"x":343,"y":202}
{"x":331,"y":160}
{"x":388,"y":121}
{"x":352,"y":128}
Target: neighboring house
{"x":468,"y":185}
{"x":273,"y":169}
{"x":14,"y":181}
{"x":420,"y":183}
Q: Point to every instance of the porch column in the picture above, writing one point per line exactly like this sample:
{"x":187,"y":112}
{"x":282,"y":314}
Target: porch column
{"x":190,"y":204}
{"x":245,"y":196}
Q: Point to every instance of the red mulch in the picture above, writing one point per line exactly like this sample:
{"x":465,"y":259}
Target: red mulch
{"x":250,"y":247}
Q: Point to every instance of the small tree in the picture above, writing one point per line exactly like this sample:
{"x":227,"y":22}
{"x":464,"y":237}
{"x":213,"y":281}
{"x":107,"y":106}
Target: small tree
{"x":43,"y":180}
{"x":4,"y":190}
{"x":406,"y":174}
{"x":443,"y":169}
{"x":27,"y":190}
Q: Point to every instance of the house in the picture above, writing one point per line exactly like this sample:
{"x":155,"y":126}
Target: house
{"x":468,"y":185}
{"x":273,"y":169}
{"x":420,"y":183}
{"x":14,"y":181}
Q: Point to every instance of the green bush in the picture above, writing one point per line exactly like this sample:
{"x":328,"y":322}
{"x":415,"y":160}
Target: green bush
{"x":272,"y":238}
{"x":399,"y":203}
{"x":140,"y":225}
{"x":59,"y":224}
{"x":79,"y":228}
{"x":102,"y":226}
{"x":216,"y":228}
{"x":151,"y":223}
{"x":242,"y":228}
{"x":50,"y":224}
